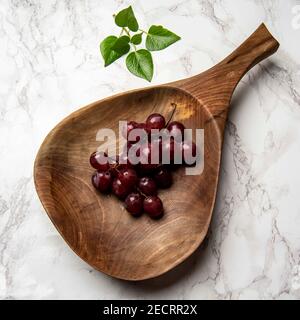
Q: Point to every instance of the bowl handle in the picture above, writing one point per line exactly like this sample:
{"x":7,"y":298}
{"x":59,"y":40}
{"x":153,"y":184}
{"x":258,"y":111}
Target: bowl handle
{"x":260,"y":45}
{"x":214,"y":87}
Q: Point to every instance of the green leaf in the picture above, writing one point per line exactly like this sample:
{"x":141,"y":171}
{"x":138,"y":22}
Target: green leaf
{"x":159,"y":38}
{"x":108,"y":53}
{"x":140,"y":64}
{"x":137,"y":38}
{"x":122,"y":45}
{"x":126,"y":18}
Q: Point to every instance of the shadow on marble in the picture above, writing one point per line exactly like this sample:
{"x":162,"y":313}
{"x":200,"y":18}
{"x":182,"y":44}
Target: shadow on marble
{"x":256,"y":75}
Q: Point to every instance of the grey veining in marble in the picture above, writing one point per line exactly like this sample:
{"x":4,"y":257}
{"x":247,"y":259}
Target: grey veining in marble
{"x":50,"y":66}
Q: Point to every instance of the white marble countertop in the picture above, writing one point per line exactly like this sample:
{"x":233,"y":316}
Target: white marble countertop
{"x":50,"y":66}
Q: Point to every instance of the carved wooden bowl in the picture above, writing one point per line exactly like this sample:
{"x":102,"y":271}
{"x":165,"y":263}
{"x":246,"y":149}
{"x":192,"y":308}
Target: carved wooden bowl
{"x":97,"y":227}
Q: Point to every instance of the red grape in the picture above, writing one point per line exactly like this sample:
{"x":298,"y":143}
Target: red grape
{"x":134,"y":203}
{"x":124,"y":162}
{"x":102,"y":180}
{"x":147,"y":151}
{"x":127,"y":128}
{"x":99,"y":161}
{"x":128,"y":177}
{"x":119,"y":189}
{"x":176,"y":130}
{"x":147,"y":186}
{"x":138,"y":136}
{"x":153,"y":206}
{"x":163,"y":178}
{"x":155,"y":121}
{"x":189,"y":152}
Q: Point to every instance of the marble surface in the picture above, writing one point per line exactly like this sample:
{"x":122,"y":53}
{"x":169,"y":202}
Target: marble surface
{"x":50,"y":66}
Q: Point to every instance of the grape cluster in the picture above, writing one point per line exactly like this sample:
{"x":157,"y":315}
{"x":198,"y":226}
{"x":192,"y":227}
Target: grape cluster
{"x":137,"y":185}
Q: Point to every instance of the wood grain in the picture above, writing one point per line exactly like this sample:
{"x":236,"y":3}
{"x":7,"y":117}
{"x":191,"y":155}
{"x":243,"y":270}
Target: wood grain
{"x":97,"y":227}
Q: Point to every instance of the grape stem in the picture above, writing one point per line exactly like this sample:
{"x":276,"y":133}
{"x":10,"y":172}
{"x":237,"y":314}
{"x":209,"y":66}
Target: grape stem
{"x":143,"y":194}
{"x":174,"y":105}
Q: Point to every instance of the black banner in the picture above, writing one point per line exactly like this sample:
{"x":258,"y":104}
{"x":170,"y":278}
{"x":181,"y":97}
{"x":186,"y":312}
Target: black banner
{"x":147,"y":309}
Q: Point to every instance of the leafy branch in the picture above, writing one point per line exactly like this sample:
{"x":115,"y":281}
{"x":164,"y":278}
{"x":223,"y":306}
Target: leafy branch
{"x":139,"y":61}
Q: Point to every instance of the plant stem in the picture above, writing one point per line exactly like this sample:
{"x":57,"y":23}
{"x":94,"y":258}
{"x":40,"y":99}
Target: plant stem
{"x":127,"y":32}
{"x":143,"y":31}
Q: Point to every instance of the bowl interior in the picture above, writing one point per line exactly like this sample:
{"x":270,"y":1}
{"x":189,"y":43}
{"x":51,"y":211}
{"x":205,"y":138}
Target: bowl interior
{"x":96,"y":226}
